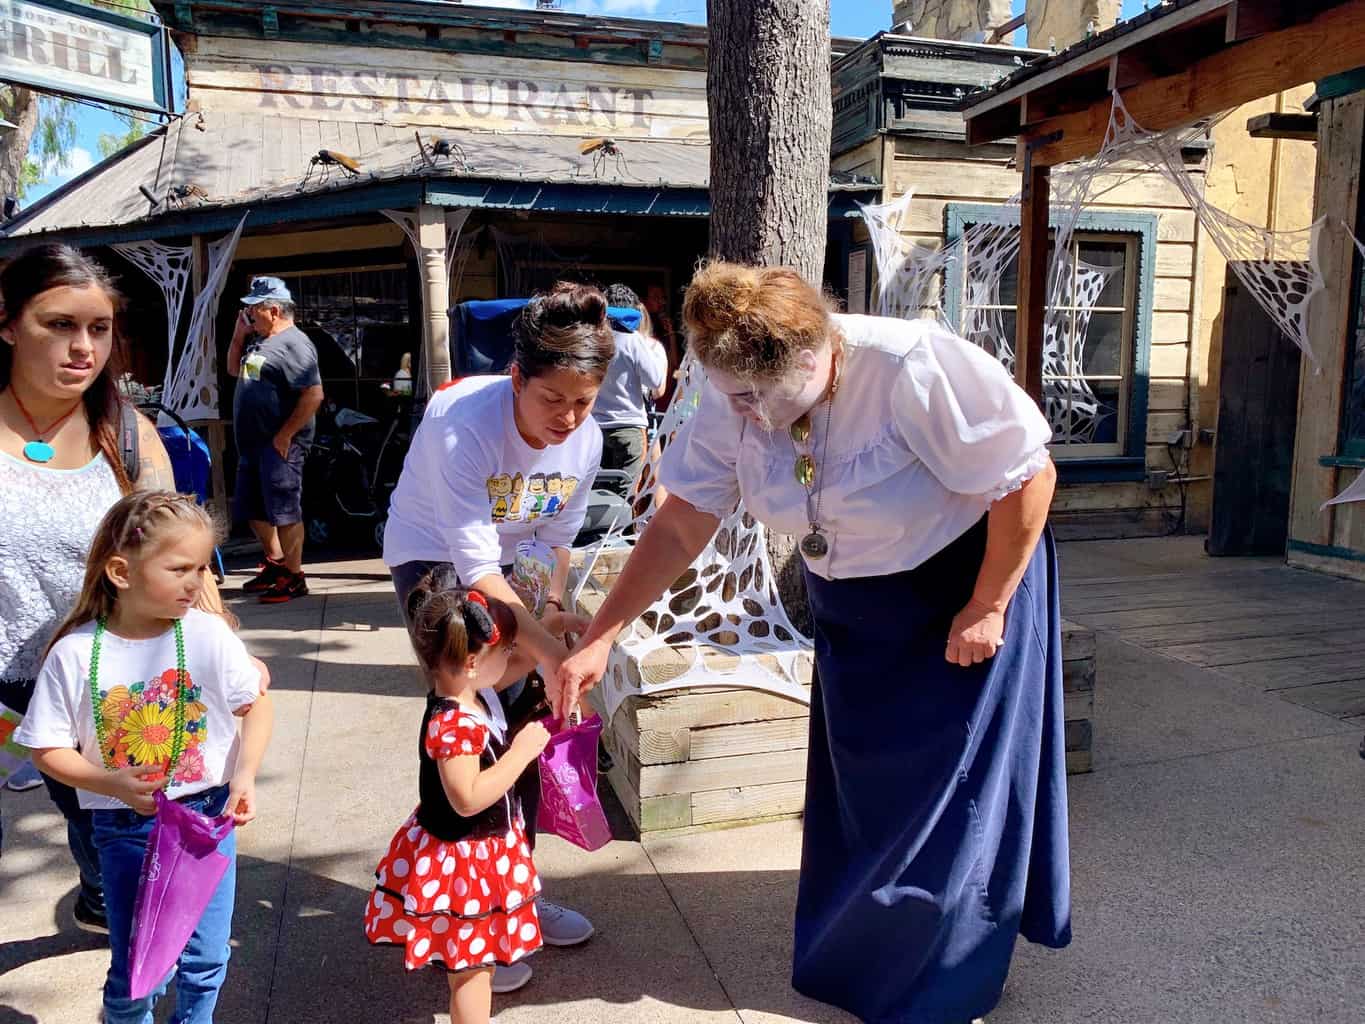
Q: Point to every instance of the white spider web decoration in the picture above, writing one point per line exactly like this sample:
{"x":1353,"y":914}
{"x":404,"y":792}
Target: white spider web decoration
{"x":721,"y":623}
{"x":1278,"y":268}
{"x":914,"y":276}
{"x":193,"y":392}
{"x":169,"y":267}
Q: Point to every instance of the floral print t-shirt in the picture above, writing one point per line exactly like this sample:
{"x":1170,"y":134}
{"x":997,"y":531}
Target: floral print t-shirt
{"x":137,"y":694}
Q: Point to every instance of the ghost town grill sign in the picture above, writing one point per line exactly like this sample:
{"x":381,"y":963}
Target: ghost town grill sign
{"x":478,"y":99}
{"x":85,"y":52}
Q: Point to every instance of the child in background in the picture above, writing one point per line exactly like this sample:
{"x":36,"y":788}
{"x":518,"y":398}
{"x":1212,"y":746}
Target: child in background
{"x":138,"y":692}
{"x":457,"y":888}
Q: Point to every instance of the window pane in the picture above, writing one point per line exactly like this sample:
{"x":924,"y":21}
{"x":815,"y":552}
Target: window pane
{"x":992,"y":330}
{"x":1112,"y":256}
{"x":1057,"y":408}
{"x":1102,"y":347}
{"x":1009,"y":284}
{"x":1103,"y":415}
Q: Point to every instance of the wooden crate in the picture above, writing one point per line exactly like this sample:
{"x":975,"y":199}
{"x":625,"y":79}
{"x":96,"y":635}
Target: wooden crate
{"x":1078,"y":695}
{"x":710,"y":758}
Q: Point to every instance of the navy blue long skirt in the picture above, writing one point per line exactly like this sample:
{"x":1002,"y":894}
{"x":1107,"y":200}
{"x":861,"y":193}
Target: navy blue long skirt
{"x":935,"y":828}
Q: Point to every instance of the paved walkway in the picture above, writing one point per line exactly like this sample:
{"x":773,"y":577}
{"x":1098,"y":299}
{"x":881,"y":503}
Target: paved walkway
{"x":1217,"y":847}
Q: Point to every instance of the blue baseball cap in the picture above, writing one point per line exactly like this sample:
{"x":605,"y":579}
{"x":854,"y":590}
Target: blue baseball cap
{"x":267,"y":289}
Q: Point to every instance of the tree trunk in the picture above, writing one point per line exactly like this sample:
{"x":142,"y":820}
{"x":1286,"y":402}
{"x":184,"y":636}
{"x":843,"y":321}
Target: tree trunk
{"x":768,"y":93}
{"x":20,"y":108}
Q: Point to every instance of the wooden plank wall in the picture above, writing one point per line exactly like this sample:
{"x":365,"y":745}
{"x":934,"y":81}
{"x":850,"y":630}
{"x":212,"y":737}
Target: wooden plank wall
{"x":1341,"y":134}
{"x":943,"y":172}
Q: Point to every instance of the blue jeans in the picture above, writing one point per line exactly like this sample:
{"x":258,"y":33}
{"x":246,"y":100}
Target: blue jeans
{"x":80,"y":837}
{"x":121,"y":838}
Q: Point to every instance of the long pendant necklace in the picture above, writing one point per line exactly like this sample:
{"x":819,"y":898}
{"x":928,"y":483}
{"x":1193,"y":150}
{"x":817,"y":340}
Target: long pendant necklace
{"x":97,"y":709}
{"x":814,"y":544}
{"x":38,"y":450}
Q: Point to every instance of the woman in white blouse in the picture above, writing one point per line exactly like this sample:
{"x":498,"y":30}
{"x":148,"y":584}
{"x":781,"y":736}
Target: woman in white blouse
{"x":917,"y":475}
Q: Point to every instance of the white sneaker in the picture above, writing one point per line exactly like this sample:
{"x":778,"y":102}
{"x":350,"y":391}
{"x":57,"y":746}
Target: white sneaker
{"x":560,"y":926}
{"x":509,"y":979}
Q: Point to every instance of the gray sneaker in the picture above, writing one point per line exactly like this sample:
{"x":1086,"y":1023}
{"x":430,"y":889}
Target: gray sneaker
{"x":509,"y":979}
{"x":560,"y":926}
{"x":26,"y":778}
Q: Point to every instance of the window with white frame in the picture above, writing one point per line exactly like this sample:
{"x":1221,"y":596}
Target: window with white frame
{"x":1096,"y":337}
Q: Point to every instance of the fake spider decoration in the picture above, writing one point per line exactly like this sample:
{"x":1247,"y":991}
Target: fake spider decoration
{"x":329,"y":160}
{"x":442,"y":154}
{"x":600,"y":150}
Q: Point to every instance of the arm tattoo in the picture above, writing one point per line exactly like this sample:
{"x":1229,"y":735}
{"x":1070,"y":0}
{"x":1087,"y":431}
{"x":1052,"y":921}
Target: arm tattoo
{"x":153,"y":476}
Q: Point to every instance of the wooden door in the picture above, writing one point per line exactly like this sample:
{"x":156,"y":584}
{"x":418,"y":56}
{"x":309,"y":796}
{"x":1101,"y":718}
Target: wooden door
{"x":1257,"y":417}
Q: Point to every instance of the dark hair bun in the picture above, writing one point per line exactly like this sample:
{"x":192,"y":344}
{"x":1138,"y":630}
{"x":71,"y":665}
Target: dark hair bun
{"x":568,"y":304}
{"x":565,"y":328}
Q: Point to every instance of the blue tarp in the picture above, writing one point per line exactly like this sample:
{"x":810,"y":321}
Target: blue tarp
{"x":483,"y":333}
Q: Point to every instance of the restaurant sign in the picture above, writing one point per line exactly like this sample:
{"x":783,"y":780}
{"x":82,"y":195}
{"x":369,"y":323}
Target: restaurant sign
{"x":85,"y":52}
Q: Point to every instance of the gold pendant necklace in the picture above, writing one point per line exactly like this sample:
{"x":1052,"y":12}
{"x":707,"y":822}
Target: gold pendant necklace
{"x":814,"y":544}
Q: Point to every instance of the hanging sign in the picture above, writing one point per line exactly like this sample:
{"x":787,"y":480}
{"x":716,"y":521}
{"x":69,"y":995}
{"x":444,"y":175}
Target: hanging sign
{"x":84,"y":52}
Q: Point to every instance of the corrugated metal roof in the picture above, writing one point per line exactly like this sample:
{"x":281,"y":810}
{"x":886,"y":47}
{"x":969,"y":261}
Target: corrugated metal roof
{"x":239,"y":159}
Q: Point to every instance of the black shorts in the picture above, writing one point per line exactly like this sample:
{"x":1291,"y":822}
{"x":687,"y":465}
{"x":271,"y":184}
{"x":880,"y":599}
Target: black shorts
{"x":269,"y":488}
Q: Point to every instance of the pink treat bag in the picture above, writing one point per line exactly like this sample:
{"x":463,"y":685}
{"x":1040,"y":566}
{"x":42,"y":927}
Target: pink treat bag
{"x":569,"y":807}
{"x":180,"y":873}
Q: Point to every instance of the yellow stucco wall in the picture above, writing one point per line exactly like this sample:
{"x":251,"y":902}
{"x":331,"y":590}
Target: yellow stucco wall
{"x":1267,"y":182}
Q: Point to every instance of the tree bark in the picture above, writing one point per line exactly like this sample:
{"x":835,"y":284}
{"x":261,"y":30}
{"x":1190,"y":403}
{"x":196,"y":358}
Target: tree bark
{"x":19,"y":107}
{"x":768,"y":93}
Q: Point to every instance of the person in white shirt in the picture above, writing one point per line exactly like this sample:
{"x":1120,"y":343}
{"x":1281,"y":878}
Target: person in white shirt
{"x":637,"y":373}
{"x":916,"y":473}
{"x":498,"y":462}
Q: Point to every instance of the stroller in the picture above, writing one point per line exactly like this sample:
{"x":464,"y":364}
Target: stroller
{"x":482,"y":339}
{"x":191,"y":462}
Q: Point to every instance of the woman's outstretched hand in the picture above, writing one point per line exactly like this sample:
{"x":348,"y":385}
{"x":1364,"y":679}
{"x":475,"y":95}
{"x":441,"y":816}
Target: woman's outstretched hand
{"x":975,"y":635}
{"x":562,"y":624}
{"x":579,"y":673}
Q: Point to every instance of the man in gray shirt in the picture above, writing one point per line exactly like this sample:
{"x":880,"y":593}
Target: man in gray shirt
{"x":279,"y":390}
{"x":636,"y":372}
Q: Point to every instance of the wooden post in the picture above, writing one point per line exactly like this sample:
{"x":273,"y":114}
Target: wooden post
{"x":1033,"y":261}
{"x":431,"y":262}
{"x":215,"y":430}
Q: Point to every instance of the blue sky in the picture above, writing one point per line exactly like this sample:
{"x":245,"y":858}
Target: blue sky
{"x":847,"y":18}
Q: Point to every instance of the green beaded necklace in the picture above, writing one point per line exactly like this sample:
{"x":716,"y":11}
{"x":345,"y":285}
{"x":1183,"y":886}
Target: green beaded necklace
{"x":178,"y":736}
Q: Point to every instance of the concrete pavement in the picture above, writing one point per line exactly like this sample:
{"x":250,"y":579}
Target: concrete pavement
{"x":1217,"y":858}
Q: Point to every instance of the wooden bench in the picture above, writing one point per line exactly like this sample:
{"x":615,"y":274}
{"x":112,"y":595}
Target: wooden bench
{"x":709,"y":758}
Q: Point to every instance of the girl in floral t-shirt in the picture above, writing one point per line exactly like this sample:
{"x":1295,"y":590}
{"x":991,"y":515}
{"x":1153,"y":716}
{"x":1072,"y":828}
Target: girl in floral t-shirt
{"x":457,"y":888}
{"x":141,"y":691}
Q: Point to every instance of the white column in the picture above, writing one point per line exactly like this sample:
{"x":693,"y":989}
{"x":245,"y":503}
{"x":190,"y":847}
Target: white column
{"x":431,"y":259}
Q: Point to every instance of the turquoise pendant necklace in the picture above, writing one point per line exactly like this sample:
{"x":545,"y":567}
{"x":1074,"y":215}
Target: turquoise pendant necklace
{"x":38,"y":450}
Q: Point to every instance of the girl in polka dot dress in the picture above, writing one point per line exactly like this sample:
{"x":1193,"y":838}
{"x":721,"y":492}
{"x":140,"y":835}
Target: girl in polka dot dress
{"x":457,"y":888}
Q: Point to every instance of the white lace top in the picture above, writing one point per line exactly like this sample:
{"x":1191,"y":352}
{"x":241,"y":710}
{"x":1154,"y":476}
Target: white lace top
{"x":926,"y":432}
{"x":47,"y":520}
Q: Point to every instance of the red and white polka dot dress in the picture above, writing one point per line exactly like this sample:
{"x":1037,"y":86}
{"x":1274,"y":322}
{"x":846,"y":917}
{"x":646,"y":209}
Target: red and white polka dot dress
{"x":458,"y":905}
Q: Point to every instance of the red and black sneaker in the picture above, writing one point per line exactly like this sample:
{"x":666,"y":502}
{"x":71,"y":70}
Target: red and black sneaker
{"x":286,"y":587}
{"x":270,"y":571}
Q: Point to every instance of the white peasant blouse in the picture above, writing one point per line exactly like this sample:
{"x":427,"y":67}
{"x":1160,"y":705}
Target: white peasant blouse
{"x":925,"y":433}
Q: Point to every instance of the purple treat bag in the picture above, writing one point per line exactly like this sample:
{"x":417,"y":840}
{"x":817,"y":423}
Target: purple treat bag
{"x":569,"y":807}
{"x":180,"y":873}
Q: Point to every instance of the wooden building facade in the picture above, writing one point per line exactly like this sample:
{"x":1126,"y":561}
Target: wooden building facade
{"x":1119,"y":475}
